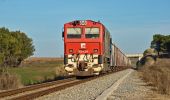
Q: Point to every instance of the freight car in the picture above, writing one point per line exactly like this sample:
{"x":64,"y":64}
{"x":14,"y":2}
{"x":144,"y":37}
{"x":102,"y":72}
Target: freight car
{"x":88,"y":49}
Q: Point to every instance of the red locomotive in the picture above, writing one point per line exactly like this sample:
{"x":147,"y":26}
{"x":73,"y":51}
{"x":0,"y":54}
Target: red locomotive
{"x":88,"y":49}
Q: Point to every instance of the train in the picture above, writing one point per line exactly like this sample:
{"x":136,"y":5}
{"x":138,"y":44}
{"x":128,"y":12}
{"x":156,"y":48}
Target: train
{"x":89,"y":50}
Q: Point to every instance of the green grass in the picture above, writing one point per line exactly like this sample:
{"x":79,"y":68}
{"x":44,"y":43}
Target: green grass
{"x":36,"y":72}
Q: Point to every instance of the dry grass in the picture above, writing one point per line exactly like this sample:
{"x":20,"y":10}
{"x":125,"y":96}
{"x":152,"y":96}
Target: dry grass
{"x":37,"y":70}
{"x":60,"y":71}
{"x":9,"y":81}
{"x":32,"y":71}
{"x":149,"y":61}
{"x":158,"y":75}
{"x":41,"y":60}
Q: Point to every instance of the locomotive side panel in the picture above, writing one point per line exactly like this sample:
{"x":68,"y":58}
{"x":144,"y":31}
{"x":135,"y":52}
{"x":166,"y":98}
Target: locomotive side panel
{"x":107,"y":44}
{"x":106,"y":52}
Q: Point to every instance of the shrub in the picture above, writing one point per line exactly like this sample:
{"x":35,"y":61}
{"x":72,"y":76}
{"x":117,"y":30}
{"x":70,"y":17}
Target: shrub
{"x":149,"y":51}
{"x":9,"y":81}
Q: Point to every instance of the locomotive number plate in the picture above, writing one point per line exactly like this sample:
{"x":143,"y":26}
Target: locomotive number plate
{"x":83,"y":51}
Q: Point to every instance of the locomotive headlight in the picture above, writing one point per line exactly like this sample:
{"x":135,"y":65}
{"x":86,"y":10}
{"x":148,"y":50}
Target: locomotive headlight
{"x":70,"y":50}
{"x":83,"y":22}
{"x":95,"y":50}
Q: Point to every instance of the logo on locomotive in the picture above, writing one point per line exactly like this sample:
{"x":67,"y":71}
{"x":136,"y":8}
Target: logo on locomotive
{"x":83,"y":45}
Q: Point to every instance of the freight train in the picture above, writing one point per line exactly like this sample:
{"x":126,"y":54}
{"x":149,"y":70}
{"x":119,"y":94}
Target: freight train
{"x":88,"y":49}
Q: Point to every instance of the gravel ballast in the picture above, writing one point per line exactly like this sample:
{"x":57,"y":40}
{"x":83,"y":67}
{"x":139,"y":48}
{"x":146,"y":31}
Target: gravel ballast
{"x":86,"y":91}
{"x":132,"y":88}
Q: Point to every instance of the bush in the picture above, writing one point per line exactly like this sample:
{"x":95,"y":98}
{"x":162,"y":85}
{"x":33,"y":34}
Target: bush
{"x":60,"y":71}
{"x":14,"y":47}
{"x":9,"y":81}
{"x":149,"y":51}
{"x":149,"y":61}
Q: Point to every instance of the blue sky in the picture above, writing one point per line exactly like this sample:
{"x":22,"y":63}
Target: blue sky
{"x":132,"y":23}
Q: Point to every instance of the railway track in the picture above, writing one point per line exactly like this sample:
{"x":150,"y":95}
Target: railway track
{"x":34,"y":91}
{"x":12,"y":93}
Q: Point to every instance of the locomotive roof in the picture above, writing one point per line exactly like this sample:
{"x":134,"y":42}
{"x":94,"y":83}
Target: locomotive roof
{"x":88,"y":21}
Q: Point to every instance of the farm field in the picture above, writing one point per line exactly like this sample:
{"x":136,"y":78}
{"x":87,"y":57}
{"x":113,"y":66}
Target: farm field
{"x":37,"y":70}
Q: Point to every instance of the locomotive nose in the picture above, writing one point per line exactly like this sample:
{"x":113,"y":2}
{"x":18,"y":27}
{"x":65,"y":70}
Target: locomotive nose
{"x":83,"y":48}
{"x":82,"y":66}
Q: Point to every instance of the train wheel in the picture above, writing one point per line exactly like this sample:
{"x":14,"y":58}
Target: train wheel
{"x":112,"y":68}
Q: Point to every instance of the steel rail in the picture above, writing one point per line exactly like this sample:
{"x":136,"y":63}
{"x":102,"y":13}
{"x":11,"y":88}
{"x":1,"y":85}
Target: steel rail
{"x":61,"y":87}
{"x":57,"y":86}
{"x":32,"y":87}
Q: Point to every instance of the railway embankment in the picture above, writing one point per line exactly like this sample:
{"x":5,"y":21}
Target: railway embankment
{"x":158,"y":75}
{"x":135,"y":88}
{"x":89,"y":90}
{"x":124,"y":85}
{"x":132,"y":88}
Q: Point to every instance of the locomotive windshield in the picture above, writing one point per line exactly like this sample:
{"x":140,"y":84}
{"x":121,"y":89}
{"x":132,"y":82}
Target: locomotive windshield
{"x":91,"y":32}
{"x":74,"y":32}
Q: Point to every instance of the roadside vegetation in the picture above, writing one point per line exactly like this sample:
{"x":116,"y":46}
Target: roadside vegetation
{"x":32,"y":71}
{"x":9,"y":81}
{"x":15,"y":46}
{"x":18,"y":69}
{"x":38,"y":70}
{"x":161,"y":43}
{"x":158,"y":75}
{"x":156,"y":72}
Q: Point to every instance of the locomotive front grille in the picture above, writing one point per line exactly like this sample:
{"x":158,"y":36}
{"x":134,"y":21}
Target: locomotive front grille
{"x":83,"y":63}
{"x":82,"y":66}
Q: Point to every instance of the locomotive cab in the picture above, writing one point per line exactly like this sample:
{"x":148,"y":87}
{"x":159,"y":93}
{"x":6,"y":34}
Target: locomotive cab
{"x":83,"y":48}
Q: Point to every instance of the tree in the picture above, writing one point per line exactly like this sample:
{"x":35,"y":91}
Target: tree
{"x":167,"y":43}
{"x":161,"y":43}
{"x":15,"y":46}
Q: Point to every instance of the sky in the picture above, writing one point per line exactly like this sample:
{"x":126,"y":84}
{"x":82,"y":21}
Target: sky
{"x":132,"y":23}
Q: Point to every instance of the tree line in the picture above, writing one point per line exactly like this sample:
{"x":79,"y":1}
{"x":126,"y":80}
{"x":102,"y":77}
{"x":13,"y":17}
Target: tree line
{"x":15,"y":46}
{"x":161,"y":43}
